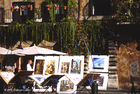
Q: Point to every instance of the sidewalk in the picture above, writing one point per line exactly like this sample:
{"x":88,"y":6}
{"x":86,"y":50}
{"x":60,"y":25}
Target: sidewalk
{"x":110,"y":91}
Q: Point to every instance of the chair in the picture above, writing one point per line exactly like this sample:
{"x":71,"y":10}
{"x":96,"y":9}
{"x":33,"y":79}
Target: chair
{"x":132,"y":82}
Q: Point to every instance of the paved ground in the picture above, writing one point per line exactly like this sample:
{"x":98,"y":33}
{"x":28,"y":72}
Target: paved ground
{"x":110,"y":91}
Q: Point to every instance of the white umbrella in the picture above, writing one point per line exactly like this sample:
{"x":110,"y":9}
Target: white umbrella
{"x":39,"y":50}
{"x":4,"y":51}
{"x":16,"y":52}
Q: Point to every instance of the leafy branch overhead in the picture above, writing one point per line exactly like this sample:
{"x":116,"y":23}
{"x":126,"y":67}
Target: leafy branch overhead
{"x":127,"y":11}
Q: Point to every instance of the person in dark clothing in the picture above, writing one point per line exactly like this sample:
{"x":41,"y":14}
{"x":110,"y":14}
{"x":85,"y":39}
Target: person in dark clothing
{"x":19,"y":82}
{"x":2,"y":84}
{"x":16,"y":71}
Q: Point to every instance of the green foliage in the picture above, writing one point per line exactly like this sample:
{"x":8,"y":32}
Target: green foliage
{"x":65,"y":33}
{"x":71,"y":7}
{"x":38,"y":12}
{"x":93,"y":33}
{"x":127,"y":11}
{"x":122,"y":11}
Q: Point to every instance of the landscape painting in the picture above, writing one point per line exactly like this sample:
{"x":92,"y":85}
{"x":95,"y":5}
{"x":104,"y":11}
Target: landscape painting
{"x":98,"y":63}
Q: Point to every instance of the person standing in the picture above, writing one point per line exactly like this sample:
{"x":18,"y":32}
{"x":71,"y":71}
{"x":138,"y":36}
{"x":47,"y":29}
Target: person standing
{"x":29,"y":67}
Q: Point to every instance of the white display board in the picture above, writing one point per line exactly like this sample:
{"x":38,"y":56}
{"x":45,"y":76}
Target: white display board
{"x":65,"y":86}
{"x":101,"y":81}
{"x":44,"y":65}
{"x":98,"y":63}
{"x":60,"y":65}
{"x":71,"y":65}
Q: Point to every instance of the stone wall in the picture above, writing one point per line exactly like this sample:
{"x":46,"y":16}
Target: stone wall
{"x":38,"y":3}
{"x":128,"y":61}
{"x":1,"y":3}
{"x":83,"y":9}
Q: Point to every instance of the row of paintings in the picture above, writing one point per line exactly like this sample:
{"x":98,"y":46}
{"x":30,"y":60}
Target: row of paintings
{"x":45,"y":65}
{"x":66,"y":85}
{"x":69,"y":64}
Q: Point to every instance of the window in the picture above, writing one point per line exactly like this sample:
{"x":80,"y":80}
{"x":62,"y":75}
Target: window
{"x":59,"y":10}
{"x":23,"y":11}
{"x":99,"y":7}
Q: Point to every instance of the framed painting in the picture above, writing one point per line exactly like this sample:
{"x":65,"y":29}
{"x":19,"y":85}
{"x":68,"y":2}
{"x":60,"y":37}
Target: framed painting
{"x":51,"y":65}
{"x":71,"y":65}
{"x":65,"y":86}
{"x":101,"y":81}
{"x":64,"y":66}
{"x":98,"y":63}
{"x":38,"y":67}
{"x":37,"y":78}
{"x":77,"y":65}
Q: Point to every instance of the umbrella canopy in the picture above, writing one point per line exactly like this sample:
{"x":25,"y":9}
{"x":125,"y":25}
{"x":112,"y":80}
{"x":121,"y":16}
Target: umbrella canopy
{"x":23,"y":44}
{"x":46,"y":44}
{"x":4,"y":51}
{"x":15,"y":52}
{"x":34,"y":50}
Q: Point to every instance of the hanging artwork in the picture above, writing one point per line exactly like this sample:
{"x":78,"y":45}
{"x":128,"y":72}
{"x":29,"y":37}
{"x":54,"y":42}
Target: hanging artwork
{"x":51,"y":65}
{"x":71,"y":65}
{"x":64,"y":66}
{"x":98,"y":63}
{"x":45,"y":65}
{"x":77,"y":65}
{"x":39,"y":65}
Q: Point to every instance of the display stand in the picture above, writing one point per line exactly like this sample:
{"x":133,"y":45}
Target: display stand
{"x":86,"y":81}
{"x":20,"y":74}
{"x":9,"y":78}
{"x":50,"y":81}
{"x":53,"y":79}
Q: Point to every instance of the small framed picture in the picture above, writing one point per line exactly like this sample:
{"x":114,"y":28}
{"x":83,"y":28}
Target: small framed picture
{"x":39,"y":66}
{"x":101,"y":81}
{"x":44,"y":65}
{"x":77,"y":65}
{"x":51,"y":65}
{"x":71,"y":65}
{"x":65,"y":86}
{"x":37,"y":78}
{"x":98,"y":63}
{"x":64,"y":66}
